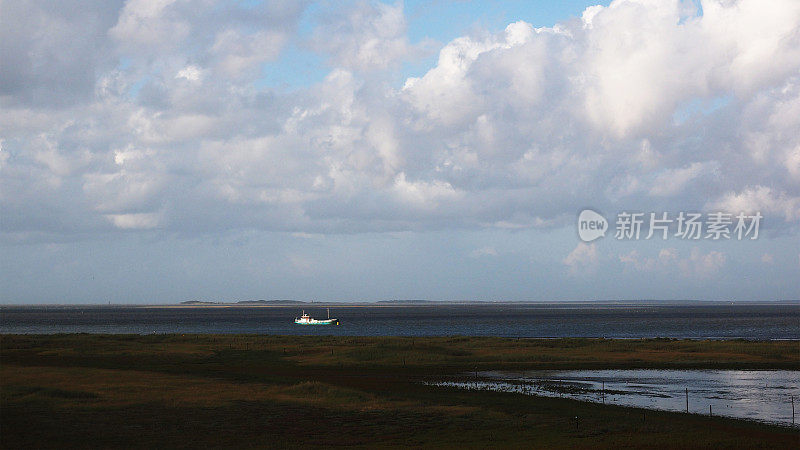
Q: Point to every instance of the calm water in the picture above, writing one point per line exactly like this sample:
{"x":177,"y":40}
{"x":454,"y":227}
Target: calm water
{"x":774,"y":321}
{"x":763,"y":395}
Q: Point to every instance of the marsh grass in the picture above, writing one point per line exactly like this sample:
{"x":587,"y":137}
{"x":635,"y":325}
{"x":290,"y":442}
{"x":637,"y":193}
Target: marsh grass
{"x":182,"y":391}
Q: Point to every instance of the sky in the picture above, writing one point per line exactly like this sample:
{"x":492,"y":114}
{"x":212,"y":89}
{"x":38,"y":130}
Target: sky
{"x":173,"y":150}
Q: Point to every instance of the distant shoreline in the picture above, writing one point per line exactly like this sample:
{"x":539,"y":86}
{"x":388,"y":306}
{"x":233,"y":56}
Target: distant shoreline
{"x":416,"y":303}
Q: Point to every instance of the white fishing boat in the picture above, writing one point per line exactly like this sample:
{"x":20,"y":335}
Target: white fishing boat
{"x":305,"y":319}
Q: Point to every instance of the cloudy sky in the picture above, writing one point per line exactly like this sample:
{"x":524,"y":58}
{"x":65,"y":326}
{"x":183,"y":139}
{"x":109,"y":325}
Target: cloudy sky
{"x":161,"y":151}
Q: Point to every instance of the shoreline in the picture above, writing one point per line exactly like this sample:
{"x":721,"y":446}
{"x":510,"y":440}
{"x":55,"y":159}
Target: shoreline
{"x":567,"y":304}
{"x":431,"y":336}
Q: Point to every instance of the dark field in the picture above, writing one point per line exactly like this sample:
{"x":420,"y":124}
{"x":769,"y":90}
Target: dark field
{"x":281,"y":391}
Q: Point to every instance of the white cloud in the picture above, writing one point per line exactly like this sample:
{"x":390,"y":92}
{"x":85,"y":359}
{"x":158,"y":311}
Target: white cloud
{"x":582,"y":259}
{"x":447,"y":93}
{"x":52,"y":54}
{"x":134,"y":221}
{"x":647,"y":156}
{"x":190,"y":73}
{"x":697,"y":265}
{"x":230,"y":39}
{"x":760,"y":199}
{"x":514,"y":129}
{"x":237,"y":52}
{"x":667,"y":254}
{"x":665,"y":261}
{"x":366,"y":36}
{"x":200,"y":117}
{"x":421,"y":193}
{"x":150,"y":24}
{"x":674,"y":181}
{"x":483,"y":251}
{"x":793,"y":163}
{"x":702,"y":265}
{"x":3,"y":155}
{"x":635,"y":80}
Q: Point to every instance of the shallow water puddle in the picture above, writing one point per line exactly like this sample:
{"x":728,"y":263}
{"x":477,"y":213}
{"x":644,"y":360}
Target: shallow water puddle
{"x":763,"y":395}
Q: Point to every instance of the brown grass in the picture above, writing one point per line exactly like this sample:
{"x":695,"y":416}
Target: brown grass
{"x":263,"y":391}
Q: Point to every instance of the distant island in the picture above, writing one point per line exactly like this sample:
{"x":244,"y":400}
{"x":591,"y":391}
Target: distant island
{"x":270,"y":302}
{"x":406,"y":301}
{"x":244,"y":302}
{"x":434,"y":302}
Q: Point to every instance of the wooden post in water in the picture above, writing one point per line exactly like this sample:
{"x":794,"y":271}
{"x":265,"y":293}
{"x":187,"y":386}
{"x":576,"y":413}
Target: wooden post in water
{"x":687,"y":400}
{"x":793,"y":410}
{"x":604,"y":392}
{"x":709,"y":410}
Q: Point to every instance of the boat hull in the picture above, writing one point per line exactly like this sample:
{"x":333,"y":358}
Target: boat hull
{"x":317,"y":322}
{"x":305,"y":319}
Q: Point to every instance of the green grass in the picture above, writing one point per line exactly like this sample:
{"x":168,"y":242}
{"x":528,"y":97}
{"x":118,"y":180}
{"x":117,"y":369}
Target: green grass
{"x":78,"y":390}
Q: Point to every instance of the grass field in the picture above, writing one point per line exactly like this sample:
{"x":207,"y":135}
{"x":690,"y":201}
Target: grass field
{"x":278,"y":391}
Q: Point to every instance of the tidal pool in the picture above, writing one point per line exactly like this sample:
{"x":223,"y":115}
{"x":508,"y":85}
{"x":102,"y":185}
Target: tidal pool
{"x":762,"y":395}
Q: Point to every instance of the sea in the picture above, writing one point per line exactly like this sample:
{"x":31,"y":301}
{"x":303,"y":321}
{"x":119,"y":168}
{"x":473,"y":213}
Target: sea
{"x":759,"y":321}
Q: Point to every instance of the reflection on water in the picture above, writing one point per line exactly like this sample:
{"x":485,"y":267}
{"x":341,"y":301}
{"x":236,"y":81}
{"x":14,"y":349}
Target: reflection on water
{"x":763,"y":395}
